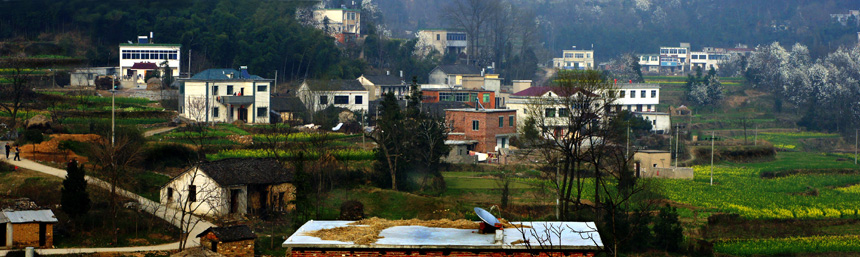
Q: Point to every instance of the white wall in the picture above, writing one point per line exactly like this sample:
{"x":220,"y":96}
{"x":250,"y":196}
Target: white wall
{"x":659,"y":121}
{"x":125,"y":64}
{"x":195,"y":99}
{"x":211,"y":198}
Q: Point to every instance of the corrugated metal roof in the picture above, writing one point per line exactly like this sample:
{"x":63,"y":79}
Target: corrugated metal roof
{"x":30,"y":216}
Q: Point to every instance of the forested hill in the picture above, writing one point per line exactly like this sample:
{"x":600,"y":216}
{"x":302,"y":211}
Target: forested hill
{"x":263,"y":35}
{"x":640,"y":26}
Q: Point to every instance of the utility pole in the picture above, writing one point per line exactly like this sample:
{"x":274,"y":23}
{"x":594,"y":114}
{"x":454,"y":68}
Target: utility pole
{"x":113,"y":111}
{"x":755,"y":138}
{"x":677,"y":138}
{"x":275,"y":86}
{"x":189,"y":62}
{"x":712,"y":158}
{"x":627,"y":144}
{"x":855,"y":146}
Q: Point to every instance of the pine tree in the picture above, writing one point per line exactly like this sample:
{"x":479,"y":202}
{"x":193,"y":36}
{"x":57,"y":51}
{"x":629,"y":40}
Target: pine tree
{"x":75,"y":199}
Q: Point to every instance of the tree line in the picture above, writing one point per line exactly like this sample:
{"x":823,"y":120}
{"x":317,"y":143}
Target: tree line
{"x":263,"y":35}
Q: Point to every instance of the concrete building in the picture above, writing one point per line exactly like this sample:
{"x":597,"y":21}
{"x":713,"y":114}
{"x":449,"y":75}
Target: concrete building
{"x":549,"y":238}
{"x":675,"y":59}
{"x":86,"y":77}
{"x":649,"y":63}
{"x":575,"y":60}
{"x":28,"y":228}
{"x":661,"y":122}
{"x":347,"y":93}
{"x":232,"y":241}
{"x":377,"y":85}
{"x":225,"y":95}
{"x":452,"y":75}
{"x":486,"y":98}
{"x":489,"y":129}
{"x":637,"y":97}
{"x":549,"y":103}
{"x":231,"y":187}
{"x":658,"y":164}
{"x":341,"y":23}
{"x":137,"y":59}
{"x":442,"y":41}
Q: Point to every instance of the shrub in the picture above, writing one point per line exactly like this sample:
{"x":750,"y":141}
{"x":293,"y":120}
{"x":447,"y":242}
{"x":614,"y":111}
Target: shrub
{"x":351,"y":210}
{"x":167,"y":155}
{"x":668,"y":234}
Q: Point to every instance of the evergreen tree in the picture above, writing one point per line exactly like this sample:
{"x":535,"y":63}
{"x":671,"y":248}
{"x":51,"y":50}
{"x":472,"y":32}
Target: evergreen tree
{"x":75,"y":199}
{"x":668,"y":233}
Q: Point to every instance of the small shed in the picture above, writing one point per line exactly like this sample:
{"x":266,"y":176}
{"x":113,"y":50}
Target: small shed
{"x":28,"y":228}
{"x":229,"y":241}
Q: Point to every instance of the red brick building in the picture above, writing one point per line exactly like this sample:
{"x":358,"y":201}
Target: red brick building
{"x":229,"y":241}
{"x":487,"y":98}
{"x":491,"y":128}
{"x":570,"y":239}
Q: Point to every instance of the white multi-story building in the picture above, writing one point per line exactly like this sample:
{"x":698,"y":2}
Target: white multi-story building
{"x":442,"y":40}
{"x":675,"y":59}
{"x":637,"y":97}
{"x":708,"y":59}
{"x":138,"y":59}
{"x":342,"y":23}
{"x":575,"y":60}
{"x":225,"y":95}
{"x":347,"y":93}
{"x":649,"y":62}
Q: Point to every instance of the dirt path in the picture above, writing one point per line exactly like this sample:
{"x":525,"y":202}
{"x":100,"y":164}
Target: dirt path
{"x":168,"y":214}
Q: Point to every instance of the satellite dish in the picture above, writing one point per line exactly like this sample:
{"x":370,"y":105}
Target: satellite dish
{"x":486,"y":216}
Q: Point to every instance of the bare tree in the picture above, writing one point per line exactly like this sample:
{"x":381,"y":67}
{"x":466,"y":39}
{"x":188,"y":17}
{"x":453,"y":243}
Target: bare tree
{"x":199,"y":197}
{"x":116,"y":156}
{"x":564,"y":127}
{"x":17,"y":92}
{"x":472,"y":16}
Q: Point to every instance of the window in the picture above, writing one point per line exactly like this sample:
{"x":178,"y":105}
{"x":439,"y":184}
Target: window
{"x":642,"y":94}
{"x":682,"y":51}
{"x":486,"y":98}
{"x":580,"y":56}
{"x":475,"y":125}
{"x":673,"y":51}
{"x":694,"y":57}
{"x":262,"y":111}
{"x":214,"y":90}
{"x":563,"y":112}
{"x":229,"y":89}
{"x":632,"y":93}
{"x":359,"y":99}
{"x":664,"y":51}
{"x":438,"y":36}
{"x":341,"y":99}
{"x":653,"y":93}
{"x":587,"y":55}
{"x":511,"y":121}
{"x":261,"y":88}
{"x":170,"y":194}
{"x":192,"y":193}
{"x":215,"y":111}
{"x":549,"y":112}
{"x":568,"y":55}
{"x":501,"y":121}
{"x":323,"y":99}
{"x":445,"y":96}
{"x":622,"y":94}
{"x":638,"y":107}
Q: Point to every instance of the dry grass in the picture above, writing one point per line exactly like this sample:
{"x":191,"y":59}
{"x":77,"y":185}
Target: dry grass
{"x":366,"y":231}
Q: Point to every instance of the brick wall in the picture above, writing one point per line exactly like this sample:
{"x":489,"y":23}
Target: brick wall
{"x":230,"y":249}
{"x":27,"y":234}
{"x":395,"y":253}
{"x":488,"y":126}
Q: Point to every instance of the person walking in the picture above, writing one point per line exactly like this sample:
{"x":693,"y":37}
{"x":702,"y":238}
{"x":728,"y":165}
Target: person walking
{"x":8,"y":149}
{"x":17,"y":154}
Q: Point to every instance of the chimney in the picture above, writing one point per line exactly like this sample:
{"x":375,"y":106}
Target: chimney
{"x":387,"y":73}
{"x":482,"y":72}
{"x":401,"y":74}
{"x":150,"y":37}
{"x":499,"y":238}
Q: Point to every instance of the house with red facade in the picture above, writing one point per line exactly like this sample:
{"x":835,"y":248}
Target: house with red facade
{"x":487,"y":98}
{"x":485,"y":130}
{"x":523,"y":239}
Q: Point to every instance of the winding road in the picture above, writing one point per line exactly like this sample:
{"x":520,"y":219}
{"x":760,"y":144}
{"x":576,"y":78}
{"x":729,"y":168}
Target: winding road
{"x":168,"y":214}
